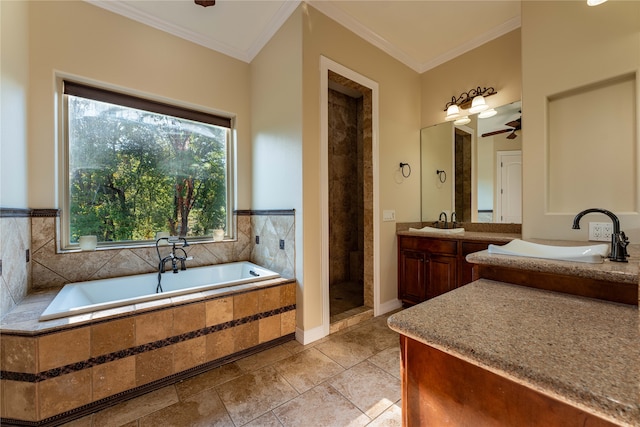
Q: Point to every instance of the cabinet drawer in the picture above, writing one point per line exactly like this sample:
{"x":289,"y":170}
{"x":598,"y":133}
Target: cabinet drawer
{"x":432,"y":245}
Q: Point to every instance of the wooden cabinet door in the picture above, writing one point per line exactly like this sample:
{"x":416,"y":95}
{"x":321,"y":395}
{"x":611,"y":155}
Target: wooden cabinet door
{"x":442,"y":275}
{"x":440,"y":389}
{"x":412,"y":276}
{"x":465,"y":269}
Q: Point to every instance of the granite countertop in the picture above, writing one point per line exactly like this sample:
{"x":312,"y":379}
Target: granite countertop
{"x":465,"y":235}
{"x":582,"y":351}
{"x":611,"y":271}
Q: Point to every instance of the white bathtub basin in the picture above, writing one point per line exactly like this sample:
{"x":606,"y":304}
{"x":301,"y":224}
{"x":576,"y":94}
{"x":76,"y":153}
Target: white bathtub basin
{"x":592,"y":254}
{"x":438,"y":230}
{"x":94,"y":295}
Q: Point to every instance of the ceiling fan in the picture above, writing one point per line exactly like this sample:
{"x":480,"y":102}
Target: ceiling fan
{"x":514,"y":124}
{"x":205,"y":3}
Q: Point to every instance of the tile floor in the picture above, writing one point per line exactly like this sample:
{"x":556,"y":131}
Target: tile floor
{"x":350,"y":378}
{"x":345,"y":296}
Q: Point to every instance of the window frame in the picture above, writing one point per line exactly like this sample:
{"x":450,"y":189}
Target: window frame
{"x":133,"y":99}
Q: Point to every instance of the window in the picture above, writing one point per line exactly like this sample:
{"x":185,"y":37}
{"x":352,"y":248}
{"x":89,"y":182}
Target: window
{"x":137,"y":167}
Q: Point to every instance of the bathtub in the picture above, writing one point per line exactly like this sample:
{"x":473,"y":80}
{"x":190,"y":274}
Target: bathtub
{"x":86,"y":297}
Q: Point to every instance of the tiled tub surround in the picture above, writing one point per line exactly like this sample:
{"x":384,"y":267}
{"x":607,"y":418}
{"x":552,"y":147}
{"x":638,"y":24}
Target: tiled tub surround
{"x":15,"y":270}
{"x":63,"y":368}
{"x":52,"y":269}
{"x":84,"y":362}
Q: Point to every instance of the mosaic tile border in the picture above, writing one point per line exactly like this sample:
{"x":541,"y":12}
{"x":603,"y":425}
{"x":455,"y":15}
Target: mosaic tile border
{"x":132,"y":351}
{"x":273,"y":212}
{"x":28,"y":213}
{"x":14,"y":213}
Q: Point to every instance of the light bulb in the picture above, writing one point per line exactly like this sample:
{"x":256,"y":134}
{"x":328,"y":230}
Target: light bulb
{"x":478,"y":104}
{"x":452,"y":112}
{"x":462,"y":121}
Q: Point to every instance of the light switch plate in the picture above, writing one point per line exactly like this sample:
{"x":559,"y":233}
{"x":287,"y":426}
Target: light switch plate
{"x":388,"y":215}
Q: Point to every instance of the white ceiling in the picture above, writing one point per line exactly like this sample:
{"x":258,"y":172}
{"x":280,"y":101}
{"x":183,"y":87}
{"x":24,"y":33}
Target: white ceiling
{"x":420,"y":33}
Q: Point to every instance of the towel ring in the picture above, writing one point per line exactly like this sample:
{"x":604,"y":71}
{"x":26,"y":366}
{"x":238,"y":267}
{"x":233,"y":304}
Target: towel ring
{"x":442,"y":175}
{"x":402,"y":166}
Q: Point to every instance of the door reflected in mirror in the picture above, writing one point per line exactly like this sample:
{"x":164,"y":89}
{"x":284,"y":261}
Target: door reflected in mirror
{"x":474,"y":170}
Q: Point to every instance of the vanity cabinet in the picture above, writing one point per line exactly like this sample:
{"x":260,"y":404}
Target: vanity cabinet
{"x":426,"y":268}
{"x":438,"y":387}
{"x":429,"y":266}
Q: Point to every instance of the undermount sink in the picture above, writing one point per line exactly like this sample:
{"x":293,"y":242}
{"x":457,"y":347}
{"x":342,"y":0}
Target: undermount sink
{"x":438,"y":230}
{"x":592,"y":254}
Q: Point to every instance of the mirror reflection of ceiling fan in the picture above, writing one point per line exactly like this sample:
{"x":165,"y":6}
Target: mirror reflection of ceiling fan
{"x":514,"y":125}
{"x":205,"y":3}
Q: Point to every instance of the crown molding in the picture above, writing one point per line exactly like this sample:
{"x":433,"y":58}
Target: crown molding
{"x":362,"y":31}
{"x":247,"y":56}
{"x":285,"y":11}
{"x":494,"y":33}
{"x":127,"y":11}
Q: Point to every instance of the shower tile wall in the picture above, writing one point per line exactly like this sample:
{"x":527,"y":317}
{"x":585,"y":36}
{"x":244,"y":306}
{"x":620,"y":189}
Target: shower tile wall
{"x":366,"y":126}
{"x":346,"y":200}
{"x":15,"y":271}
{"x":463,"y":176}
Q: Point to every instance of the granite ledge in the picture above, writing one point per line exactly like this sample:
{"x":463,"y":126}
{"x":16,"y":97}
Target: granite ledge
{"x":465,"y":235}
{"x":609,"y":271}
{"x":23,"y":319}
{"x":582,"y":351}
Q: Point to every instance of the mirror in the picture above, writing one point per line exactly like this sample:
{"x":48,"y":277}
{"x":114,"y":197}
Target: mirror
{"x":474,"y":170}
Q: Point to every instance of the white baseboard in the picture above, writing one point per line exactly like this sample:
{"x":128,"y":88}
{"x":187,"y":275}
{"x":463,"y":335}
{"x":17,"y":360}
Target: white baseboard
{"x":388,"y":306}
{"x":311,"y":335}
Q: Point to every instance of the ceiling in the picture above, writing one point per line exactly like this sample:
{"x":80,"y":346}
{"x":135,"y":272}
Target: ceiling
{"x":420,"y":33}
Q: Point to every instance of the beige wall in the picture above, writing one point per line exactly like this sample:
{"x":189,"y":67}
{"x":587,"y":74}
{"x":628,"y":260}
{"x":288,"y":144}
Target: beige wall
{"x":77,"y":38}
{"x":569,"y":164}
{"x":399,"y":125}
{"x":495,"y":64}
{"x":276,"y":117}
{"x":14,"y":88}
{"x":278,"y":95}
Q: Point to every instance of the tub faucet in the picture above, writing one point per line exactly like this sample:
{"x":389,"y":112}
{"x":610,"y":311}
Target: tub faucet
{"x":173,"y":256}
{"x":619,"y":241}
{"x":445,"y":218}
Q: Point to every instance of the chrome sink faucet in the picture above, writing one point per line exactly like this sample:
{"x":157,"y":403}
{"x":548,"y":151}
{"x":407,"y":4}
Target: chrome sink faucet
{"x":619,"y":241}
{"x":173,"y":257}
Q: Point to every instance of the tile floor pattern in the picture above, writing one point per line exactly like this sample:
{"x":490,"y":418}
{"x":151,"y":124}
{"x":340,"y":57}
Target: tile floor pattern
{"x":345,"y":296}
{"x":350,"y":378}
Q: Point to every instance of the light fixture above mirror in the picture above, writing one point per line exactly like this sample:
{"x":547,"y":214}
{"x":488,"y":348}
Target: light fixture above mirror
{"x":473,"y":100}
